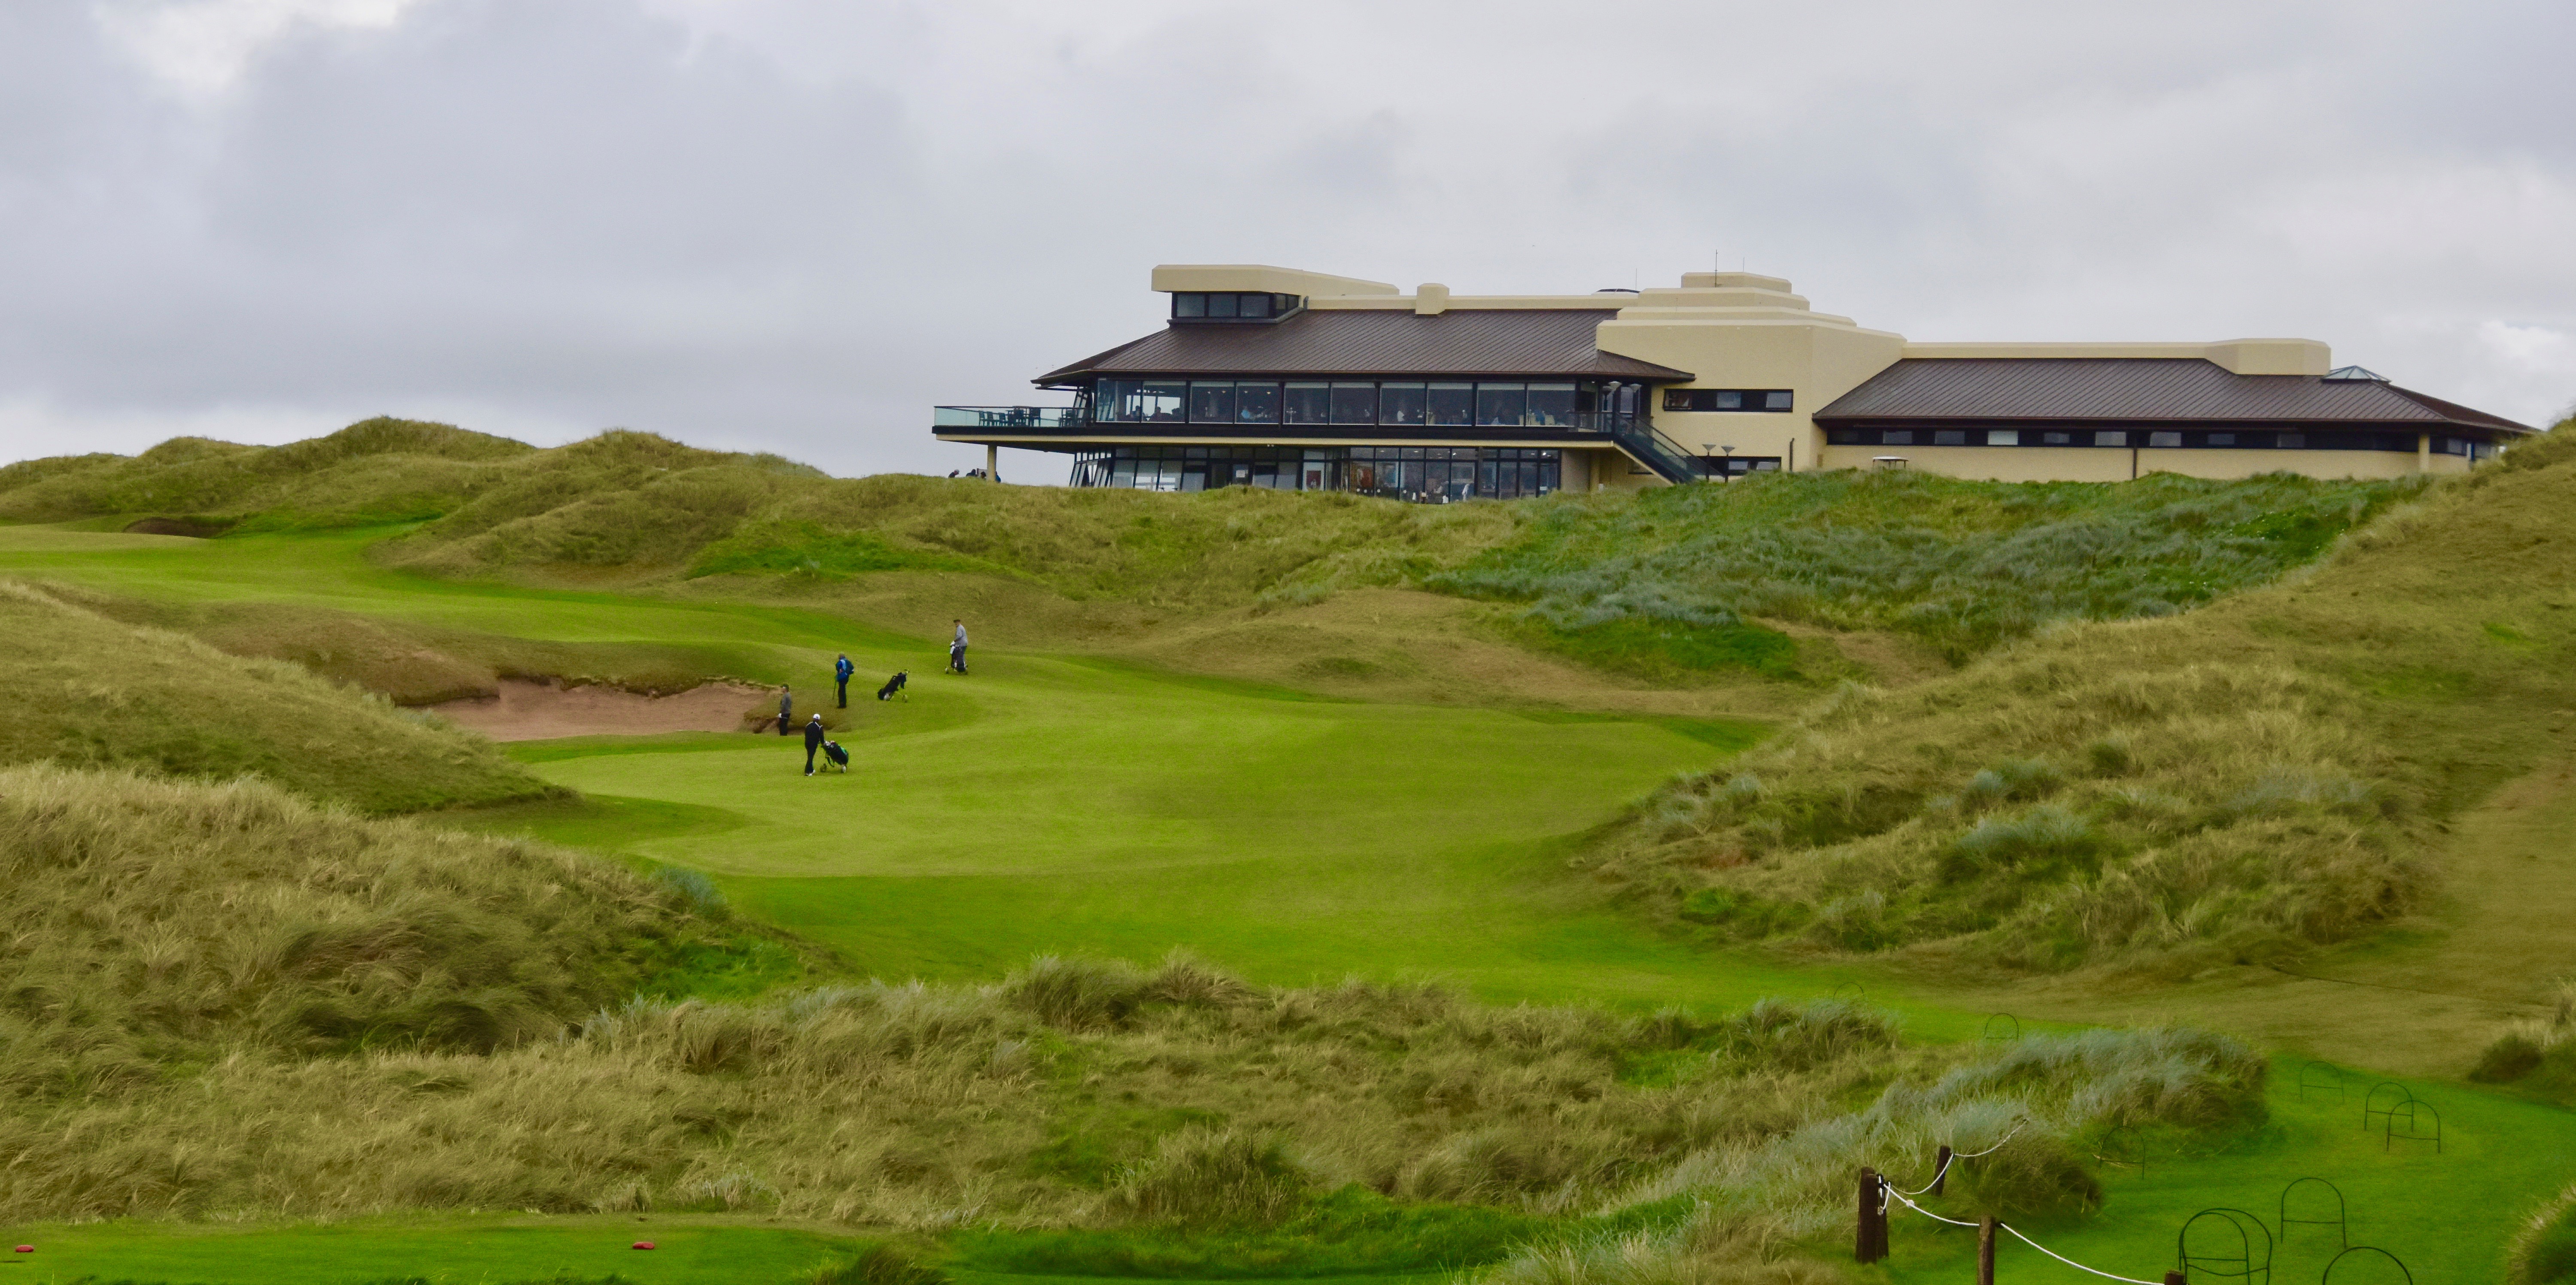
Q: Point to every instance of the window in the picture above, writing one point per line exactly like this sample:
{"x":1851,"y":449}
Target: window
{"x":1119,"y":401}
{"x":1728,"y":399}
{"x":1162,"y":401}
{"x":1252,"y":305}
{"x":2222,"y":439}
{"x":1222,"y":305}
{"x":1309,"y":404}
{"x":2291,"y":441}
{"x":1949,"y":437}
{"x":1899,"y":437}
{"x":1212,"y":403}
{"x":1354,"y":403}
{"x":1451,"y":404}
{"x":1400,"y":404}
{"x":1256,"y":403}
{"x":2057,"y":439}
{"x":2003,"y":437}
{"x":2164,"y":439}
{"x":1189,"y":304}
{"x":2111,"y":437}
{"x":1551,"y":405}
{"x":1500,"y":404}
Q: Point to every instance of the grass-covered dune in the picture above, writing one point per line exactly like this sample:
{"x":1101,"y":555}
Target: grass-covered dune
{"x":1667,"y":585}
{"x":86,"y":690}
{"x":155,"y":928}
{"x":2247,"y":780}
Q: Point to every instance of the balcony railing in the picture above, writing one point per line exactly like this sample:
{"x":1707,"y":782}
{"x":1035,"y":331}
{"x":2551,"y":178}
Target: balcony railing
{"x":1060,"y":419}
{"x":1076,"y":419}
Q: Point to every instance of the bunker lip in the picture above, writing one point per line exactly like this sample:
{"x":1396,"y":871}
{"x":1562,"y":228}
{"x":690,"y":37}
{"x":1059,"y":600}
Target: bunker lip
{"x":538,"y":711}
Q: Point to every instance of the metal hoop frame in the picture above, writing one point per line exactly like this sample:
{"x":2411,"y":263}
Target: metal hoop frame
{"x":2114,"y":1154}
{"x":2370,"y":1103}
{"x":2333,"y":1079}
{"x":2365,"y":1249}
{"x":2011,"y":1034}
{"x":2341,"y":1222}
{"x":2253,"y":1271}
{"x":2413,"y":1109}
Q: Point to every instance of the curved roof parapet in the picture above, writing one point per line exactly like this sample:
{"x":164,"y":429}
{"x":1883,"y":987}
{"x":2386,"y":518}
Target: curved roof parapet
{"x":1264,"y":279}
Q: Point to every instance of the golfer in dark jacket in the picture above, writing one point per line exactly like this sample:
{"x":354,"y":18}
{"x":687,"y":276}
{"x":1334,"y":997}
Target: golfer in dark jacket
{"x":841,"y":671}
{"x":786,"y":708}
{"x":813,"y":741}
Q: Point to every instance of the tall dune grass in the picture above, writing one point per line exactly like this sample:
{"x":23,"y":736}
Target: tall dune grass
{"x":2242,"y":782}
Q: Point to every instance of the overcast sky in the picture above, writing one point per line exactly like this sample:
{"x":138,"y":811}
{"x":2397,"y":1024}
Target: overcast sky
{"x":796,"y":225}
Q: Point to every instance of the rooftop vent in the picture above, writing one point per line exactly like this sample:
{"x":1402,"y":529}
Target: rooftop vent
{"x":2355,"y":375}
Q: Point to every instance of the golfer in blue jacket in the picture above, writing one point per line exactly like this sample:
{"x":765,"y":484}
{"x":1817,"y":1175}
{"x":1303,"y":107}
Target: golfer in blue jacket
{"x":841,"y":671}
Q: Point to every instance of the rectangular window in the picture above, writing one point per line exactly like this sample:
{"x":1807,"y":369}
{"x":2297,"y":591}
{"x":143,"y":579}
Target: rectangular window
{"x":1354,"y":403}
{"x":1212,"y":403}
{"x":1163,"y":401}
{"x":1256,"y":403}
{"x":1899,"y":437}
{"x":2222,"y":439}
{"x":2291,"y":441}
{"x":2164,"y":439}
{"x":1450,"y":404}
{"x":1949,"y":437}
{"x":1776,"y":399}
{"x":1254,"y":305}
{"x":2057,"y":439}
{"x":1309,"y":404}
{"x":1189,"y":304}
{"x":2003,"y":437}
{"x":2111,"y":437}
{"x":1726,"y":399}
{"x":1501,"y":404}
{"x":1551,"y":405}
{"x":1400,"y":404}
{"x":1221,"y":305}
{"x":1119,"y":401}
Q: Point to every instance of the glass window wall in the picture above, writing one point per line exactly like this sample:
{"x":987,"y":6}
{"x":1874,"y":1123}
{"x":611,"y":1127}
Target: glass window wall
{"x":1423,"y":475}
{"x":1401,"y":404}
{"x":1211,"y":403}
{"x":1501,"y":404}
{"x":1551,"y":405}
{"x":1256,"y":403}
{"x":1354,"y":403}
{"x":1163,"y":401}
{"x":1119,"y":401}
{"x":1450,"y":405}
{"x":1310,"y":404}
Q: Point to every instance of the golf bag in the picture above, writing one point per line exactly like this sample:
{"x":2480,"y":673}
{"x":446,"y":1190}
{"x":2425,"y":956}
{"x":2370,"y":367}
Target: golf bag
{"x":956,"y":659}
{"x":894,"y":685}
{"x":840,"y":757}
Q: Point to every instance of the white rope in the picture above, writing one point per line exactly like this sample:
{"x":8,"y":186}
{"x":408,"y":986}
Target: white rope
{"x":1928,"y":1213}
{"x":1955,"y":1157}
{"x":2132,"y":1280}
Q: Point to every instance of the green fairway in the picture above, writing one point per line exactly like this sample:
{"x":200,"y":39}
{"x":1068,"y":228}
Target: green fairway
{"x":2444,"y":1214}
{"x":1055,"y":803}
{"x":463,"y":1250}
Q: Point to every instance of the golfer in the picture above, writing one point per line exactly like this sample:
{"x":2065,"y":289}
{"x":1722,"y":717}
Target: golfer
{"x":841,"y":671}
{"x":813,"y":741}
{"x":957,"y":649}
{"x":786,"y":708}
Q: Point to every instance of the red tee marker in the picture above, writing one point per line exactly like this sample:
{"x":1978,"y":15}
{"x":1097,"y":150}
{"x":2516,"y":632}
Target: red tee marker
{"x":643,"y":1244}
{"x":26,"y":1249}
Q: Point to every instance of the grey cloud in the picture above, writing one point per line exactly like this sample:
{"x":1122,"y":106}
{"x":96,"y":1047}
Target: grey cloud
{"x":797,"y":225}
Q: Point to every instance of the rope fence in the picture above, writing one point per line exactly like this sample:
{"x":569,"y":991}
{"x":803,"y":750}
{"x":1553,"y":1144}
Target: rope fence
{"x":1876,"y":1192}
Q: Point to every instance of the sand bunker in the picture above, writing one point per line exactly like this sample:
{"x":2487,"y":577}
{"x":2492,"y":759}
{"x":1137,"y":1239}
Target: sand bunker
{"x":526,"y":711}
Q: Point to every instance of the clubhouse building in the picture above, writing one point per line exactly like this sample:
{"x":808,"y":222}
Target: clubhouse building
{"x":1300,"y":381}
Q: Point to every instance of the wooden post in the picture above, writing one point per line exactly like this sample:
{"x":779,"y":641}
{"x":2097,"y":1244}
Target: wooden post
{"x":1864,"y":1240}
{"x":1986,"y":1251}
{"x":1940,"y":1170}
{"x":2176,"y":1278}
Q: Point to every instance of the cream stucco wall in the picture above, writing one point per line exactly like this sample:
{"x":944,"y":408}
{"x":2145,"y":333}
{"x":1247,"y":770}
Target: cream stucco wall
{"x":2109,"y":464}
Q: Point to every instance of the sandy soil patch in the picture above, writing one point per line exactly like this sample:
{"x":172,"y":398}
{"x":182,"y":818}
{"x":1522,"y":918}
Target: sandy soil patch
{"x":526,"y":711}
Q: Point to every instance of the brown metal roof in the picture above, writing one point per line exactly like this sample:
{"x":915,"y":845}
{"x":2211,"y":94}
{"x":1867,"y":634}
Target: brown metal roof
{"x":1466,"y":341}
{"x":2132,"y":389}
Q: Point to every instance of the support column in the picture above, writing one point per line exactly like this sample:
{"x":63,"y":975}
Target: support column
{"x":2423,"y":452}
{"x":992,"y":463}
